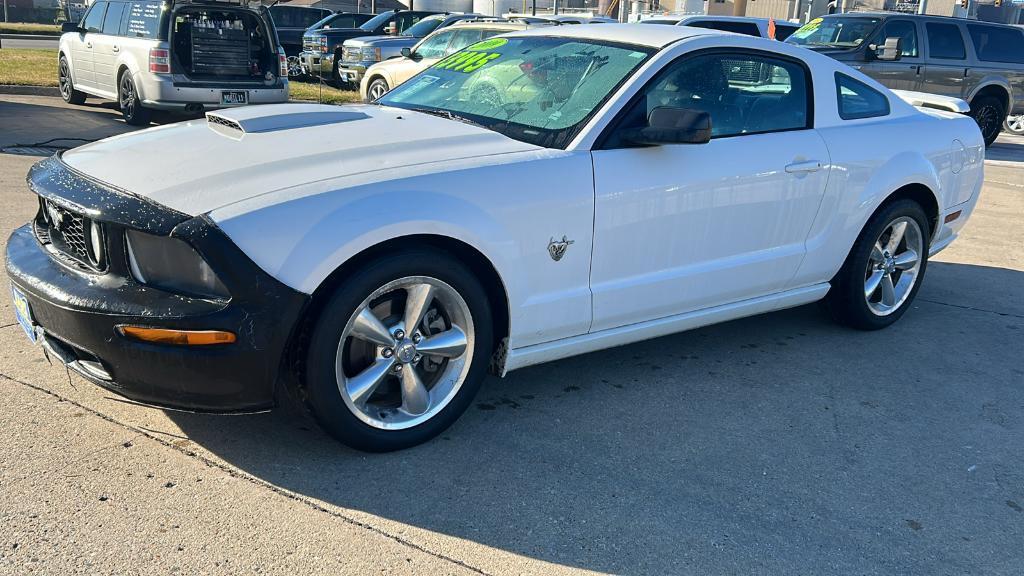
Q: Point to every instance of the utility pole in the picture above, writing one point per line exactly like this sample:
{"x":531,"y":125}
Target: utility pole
{"x":5,"y":10}
{"x":922,"y":7}
{"x":739,"y":7}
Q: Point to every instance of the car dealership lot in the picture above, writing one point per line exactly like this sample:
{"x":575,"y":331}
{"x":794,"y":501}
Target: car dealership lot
{"x":776,"y":444}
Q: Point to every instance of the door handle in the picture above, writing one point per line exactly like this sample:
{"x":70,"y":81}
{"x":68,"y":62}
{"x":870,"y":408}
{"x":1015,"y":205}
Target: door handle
{"x":88,"y":44}
{"x":116,"y":49}
{"x":799,"y":167}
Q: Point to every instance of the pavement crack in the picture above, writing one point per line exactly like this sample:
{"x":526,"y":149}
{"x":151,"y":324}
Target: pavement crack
{"x":235,"y":473}
{"x":972,"y":308}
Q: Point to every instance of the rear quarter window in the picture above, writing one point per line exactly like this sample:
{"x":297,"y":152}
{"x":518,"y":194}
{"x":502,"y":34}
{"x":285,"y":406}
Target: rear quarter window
{"x":997,"y":44}
{"x":144,"y":20}
{"x":782,"y":32}
{"x":747,"y":28}
{"x":858,"y":100}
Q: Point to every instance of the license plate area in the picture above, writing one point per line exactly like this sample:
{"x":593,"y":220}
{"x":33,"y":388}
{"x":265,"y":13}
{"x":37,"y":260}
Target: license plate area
{"x":234,"y":97}
{"x":23,"y":314}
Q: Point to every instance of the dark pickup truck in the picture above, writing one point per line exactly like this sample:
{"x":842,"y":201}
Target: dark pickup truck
{"x":322,"y":49}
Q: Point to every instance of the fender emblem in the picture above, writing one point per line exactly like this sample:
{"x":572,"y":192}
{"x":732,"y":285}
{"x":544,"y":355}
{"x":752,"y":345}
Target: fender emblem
{"x":557,"y":248}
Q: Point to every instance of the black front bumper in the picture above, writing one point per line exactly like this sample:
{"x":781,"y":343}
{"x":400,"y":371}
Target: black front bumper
{"x":79,"y":312}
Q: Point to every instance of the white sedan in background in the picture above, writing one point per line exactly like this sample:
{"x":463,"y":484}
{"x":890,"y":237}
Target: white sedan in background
{"x":544,"y":194}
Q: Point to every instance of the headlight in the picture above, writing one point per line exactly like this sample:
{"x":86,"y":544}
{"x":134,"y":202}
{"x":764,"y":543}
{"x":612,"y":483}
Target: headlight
{"x":371,"y":53}
{"x":171,"y":264}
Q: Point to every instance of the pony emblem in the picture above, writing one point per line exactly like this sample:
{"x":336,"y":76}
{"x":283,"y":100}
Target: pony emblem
{"x":557,"y":248}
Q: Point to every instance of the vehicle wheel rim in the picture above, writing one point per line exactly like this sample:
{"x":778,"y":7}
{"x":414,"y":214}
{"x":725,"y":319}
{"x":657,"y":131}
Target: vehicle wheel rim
{"x":377,"y":90}
{"x":405,"y":352}
{"x":65,"y":80}
{"x":127,"y":96}
{"x":294,"y":66}
{"x":893,"y":266}
{"x":1015,"y":123}
{"x":988,"y":120}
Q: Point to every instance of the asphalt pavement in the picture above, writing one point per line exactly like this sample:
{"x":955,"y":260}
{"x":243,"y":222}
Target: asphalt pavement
{"x":780,"y":444}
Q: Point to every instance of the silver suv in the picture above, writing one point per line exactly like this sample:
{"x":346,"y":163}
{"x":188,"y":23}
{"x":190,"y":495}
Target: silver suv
{"x":187,"y":56}
{"x":980,"y":62}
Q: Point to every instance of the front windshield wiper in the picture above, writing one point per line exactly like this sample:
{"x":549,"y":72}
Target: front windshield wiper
{"x":441,"y":112}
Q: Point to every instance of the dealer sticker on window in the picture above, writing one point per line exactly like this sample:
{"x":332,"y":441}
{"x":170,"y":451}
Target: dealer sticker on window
{"x":474,"y":57}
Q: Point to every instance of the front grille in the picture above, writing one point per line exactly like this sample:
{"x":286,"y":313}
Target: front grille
{"x":351,"y":54}
{"x":64,"y":235}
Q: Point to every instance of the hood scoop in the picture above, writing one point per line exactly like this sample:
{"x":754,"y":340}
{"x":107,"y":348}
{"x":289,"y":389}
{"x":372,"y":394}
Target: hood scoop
{"x":237,"y":122}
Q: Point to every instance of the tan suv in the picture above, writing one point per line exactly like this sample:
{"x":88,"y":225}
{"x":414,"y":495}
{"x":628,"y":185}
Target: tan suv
{"x":383,"y":76}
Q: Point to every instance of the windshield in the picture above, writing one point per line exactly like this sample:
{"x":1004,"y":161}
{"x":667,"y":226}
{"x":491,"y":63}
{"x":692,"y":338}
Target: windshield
{"x":423,"y":27}
{"x":844,"y":32}
{"x":377,"y":21}
{"x":536,"y":89}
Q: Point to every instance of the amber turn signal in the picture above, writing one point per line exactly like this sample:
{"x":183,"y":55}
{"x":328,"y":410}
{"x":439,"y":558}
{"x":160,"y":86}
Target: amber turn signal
{"x":177,"y":337}
{"x":953,"y":216}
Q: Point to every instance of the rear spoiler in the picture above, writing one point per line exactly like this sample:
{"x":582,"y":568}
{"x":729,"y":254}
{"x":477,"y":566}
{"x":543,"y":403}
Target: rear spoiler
{"x":924,"y":100}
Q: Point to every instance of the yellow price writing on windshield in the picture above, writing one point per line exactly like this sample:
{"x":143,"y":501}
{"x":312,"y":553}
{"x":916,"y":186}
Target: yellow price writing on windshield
{"x":467,"y":61}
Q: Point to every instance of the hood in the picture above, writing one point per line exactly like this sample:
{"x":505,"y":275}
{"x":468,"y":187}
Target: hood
{"x":384,"y":40}
{"x":836,"y":53}
{"x":340,"y":32}
{"x":232,"y":155}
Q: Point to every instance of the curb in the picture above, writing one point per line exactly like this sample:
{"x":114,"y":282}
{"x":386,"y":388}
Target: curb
{"x":30,"y":90}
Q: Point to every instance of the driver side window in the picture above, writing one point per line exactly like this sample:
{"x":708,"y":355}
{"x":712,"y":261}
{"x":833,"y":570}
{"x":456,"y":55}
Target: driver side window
{"x":93,"y":21}
{"x":743,"y":93}
{"x":906,"y":31}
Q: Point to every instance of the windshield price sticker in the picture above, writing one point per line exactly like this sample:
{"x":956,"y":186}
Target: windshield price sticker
{"x":809,"y":28}
{"x":467,"y":61}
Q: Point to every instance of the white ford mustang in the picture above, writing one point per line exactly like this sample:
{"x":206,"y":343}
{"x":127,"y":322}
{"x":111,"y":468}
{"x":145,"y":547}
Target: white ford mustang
{"x":535,"y":196}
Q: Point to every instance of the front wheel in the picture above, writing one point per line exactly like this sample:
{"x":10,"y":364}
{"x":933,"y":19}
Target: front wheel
{"x":989,"y":113}
{"x":131,"y":105}
{"x":399,"y":351}
{"x":376,"y":89}
{"x":1014,"y":124}
{"x":884,"y":269}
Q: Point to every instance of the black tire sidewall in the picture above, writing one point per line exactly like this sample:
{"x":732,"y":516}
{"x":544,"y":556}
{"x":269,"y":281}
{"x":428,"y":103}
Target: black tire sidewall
{"x":370,"y":87}
{"x":846,"y":297}
{"x":141,"y":115}
{"x":980,"y":103}
{"x":324,"y":397}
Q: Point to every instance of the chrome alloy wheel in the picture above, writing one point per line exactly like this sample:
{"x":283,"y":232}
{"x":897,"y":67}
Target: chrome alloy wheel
{"x":294,"y":67}
{"x":893,"y":266}
{"x":405,"y":352}
{"x":1015,"y":124}
{"x":376,"y":90}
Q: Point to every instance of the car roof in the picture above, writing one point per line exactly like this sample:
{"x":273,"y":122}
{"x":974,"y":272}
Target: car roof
{"x":885,"y":15}
{"x":489,"y":25}
{"x":706,"y":17}
{"x":653,"y":36}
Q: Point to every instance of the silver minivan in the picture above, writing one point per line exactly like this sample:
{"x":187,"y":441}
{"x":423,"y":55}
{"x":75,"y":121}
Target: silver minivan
{"x":979,"y":62}
{"x":181,"y":55}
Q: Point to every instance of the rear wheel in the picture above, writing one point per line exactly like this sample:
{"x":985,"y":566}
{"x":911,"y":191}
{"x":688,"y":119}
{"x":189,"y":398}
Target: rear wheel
{"x":884,"y":270}
{"x":67,"y":86}
{"x":399,"y":351}
{"x":989,"y":113}
{"x":295,"y":68}
{"x":131,"y":105}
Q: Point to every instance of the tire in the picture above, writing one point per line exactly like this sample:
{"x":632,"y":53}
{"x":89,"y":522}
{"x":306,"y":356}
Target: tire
{"x":128,"y":99}
{"x":1014,"y":124}
{"x":351,"y":382}
{"x":66,"y":84}
{"x":376,"y":89}
{"x":989,"y":113}
{"x":851,"y":300}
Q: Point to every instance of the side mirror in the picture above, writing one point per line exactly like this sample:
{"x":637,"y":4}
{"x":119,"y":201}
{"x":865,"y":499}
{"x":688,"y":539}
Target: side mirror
{"x":70,"y":27}
{"x":891,"y":51}
{"x":407,"y":52}
{"x":666,"y":125}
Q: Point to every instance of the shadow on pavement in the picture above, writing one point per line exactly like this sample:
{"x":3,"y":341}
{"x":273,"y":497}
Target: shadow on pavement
{"x":46,"y":123}
{"x":775,"y":444}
